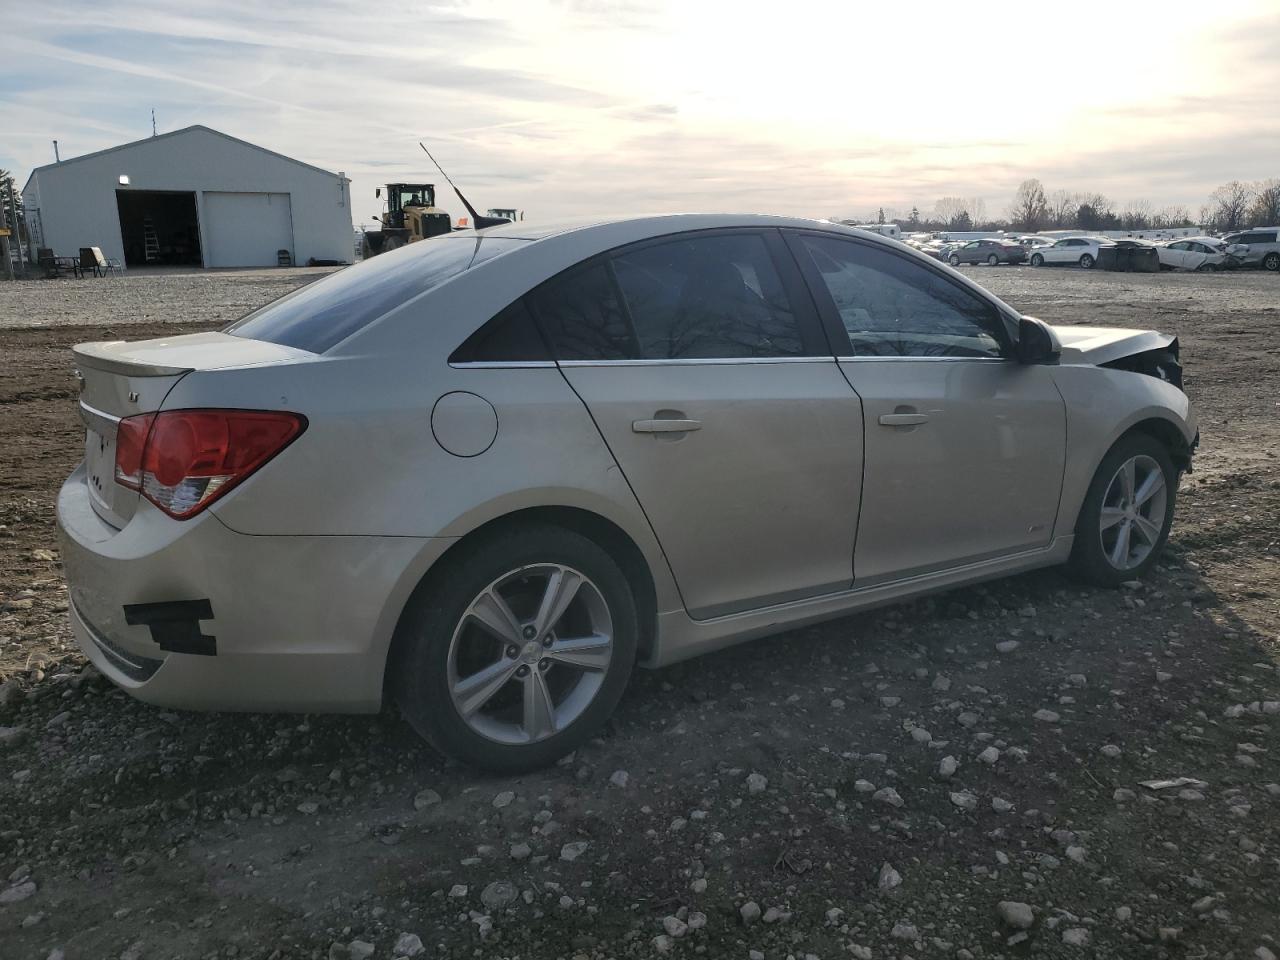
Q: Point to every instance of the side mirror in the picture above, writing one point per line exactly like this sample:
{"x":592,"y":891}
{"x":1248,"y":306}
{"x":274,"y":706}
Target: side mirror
{"x":1036,"y":342}
{"x":377,"y":191}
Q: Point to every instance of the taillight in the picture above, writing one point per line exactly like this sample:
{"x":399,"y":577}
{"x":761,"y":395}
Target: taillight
{"x":183,"y":460}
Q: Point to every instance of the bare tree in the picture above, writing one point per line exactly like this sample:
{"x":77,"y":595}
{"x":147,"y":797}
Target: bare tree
{"x":1136,"y":215}
{"x":977,"y":208}
{"x":1171,"y":217}
{"x":1230,"y":205}
{"x":1265,"y":211}
{"x":1062,"y":206}
{"x":949,"y":209}
{"x":1030,"y":209}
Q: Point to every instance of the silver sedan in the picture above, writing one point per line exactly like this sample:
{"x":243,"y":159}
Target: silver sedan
{"x":486,"y":474}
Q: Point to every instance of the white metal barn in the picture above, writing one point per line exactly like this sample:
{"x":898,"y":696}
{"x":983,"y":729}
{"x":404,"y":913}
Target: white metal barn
{"x":193,"y":197}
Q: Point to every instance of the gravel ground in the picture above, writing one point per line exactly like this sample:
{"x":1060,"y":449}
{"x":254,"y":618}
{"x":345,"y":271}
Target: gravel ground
{"x":980,"y":774}
{"x":148,"y":297}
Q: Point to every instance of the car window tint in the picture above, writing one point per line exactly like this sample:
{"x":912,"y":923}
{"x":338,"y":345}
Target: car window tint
{"x":509,"y":337}
{"x":581,"y":315}
{"x":708,"y":297}
{"x":892,"y":307}
{"x":321,"y":314}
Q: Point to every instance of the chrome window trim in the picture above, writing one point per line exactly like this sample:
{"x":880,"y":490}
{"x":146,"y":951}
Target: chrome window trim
{"x":503,"y":365}
{"x":931,"y":359}
{"x":693,"y":361}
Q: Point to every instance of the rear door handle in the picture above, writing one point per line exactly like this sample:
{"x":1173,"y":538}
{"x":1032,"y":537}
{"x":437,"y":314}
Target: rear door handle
{"x":902,"y":419}
{"x":665,"y":426}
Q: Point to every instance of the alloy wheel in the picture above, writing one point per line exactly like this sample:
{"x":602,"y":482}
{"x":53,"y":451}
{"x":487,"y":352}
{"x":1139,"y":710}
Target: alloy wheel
{"x":530,"y":653}
{"x":1132,"y":517}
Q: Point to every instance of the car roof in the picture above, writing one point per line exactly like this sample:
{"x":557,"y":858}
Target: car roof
{"x":656,"y":224}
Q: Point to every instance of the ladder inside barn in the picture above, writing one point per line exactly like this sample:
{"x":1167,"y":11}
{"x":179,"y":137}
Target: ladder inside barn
{"x":150,"y":243}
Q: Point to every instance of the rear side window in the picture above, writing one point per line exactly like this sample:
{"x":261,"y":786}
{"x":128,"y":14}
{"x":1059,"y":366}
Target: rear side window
{"x":582,"y":315}
{"x":325,"y":312}
{"x":510,"y":337}
{"x":708,"y":297}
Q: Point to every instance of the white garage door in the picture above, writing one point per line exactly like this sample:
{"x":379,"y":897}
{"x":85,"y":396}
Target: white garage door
{"x":246,"y":229}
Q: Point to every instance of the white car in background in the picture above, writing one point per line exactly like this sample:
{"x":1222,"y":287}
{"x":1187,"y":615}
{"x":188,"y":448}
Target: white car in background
{"x":1194,"y":253}
{"x":1082,"y":251}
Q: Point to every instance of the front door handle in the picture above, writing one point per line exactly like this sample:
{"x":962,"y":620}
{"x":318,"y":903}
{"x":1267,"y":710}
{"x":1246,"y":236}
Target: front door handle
{"x":902,"y":419}
{"x":665,"y":426}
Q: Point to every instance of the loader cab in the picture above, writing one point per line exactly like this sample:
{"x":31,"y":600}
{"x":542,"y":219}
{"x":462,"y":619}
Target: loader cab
{"x":402,"y":195}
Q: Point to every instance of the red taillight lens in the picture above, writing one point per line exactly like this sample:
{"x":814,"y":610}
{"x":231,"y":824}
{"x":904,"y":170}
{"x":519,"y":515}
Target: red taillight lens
{"x":131,"y":438}
{"x":183,"y":460}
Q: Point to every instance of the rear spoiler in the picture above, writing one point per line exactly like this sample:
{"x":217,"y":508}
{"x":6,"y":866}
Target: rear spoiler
{"x":122,"y":357}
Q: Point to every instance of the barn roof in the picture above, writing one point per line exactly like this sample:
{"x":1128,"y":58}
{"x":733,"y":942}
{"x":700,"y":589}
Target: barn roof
{"x":178,"y":133}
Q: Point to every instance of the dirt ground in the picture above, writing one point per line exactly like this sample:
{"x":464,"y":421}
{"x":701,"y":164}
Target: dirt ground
{"x":918,"y":766}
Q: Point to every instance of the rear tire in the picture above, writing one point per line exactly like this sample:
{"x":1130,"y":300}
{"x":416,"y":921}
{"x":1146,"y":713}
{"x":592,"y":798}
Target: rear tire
{"x":1271,"y":261}
{"x":1116,"y":533}
{"x":530,"y":687}
{"x":1086,"y":261}
{"x":1037,"y":260}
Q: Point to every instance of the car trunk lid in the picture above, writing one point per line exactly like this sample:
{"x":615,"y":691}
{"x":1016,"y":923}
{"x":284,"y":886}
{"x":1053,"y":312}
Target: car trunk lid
{"x":120,"y":379}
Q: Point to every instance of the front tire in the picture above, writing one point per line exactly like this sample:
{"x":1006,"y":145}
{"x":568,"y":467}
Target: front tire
{"x":1037,"y":260}
{"x":993,"y":260}
{"x":1086,"y":261}
{"x":955,"y":261}
{"x":519,"y":651}
{"x":1125,"y":519}
{"x":1207,"y":268}
{"x":1271,"y":261}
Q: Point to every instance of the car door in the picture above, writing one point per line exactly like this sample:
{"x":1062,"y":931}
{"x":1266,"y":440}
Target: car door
{"x":964,"y":447}
{"x":705,"y":368}
{"x":1177,"y":255}
{"x":1060,"y":252}
{"x":972,"y":252}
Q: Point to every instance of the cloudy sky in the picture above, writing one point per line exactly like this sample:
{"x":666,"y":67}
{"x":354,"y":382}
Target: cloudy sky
{"x":574,"y":107}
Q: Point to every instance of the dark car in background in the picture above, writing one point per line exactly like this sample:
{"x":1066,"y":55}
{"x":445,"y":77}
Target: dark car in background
{"x":989,"y":252}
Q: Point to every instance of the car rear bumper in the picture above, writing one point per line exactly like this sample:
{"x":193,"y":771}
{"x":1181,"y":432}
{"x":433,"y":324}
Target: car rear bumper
{"x":194,"y":615}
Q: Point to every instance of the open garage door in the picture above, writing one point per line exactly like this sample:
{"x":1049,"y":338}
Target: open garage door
{"x":246,"y":229}
{"x":158,"y":228}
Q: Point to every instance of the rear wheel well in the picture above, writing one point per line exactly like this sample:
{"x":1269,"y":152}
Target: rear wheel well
{"x":604,"y":533}
{"x":1170,"y":436}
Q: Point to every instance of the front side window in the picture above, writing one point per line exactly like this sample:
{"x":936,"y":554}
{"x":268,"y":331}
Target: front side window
{"x":707,"y":297}
{"x":892,"y":307}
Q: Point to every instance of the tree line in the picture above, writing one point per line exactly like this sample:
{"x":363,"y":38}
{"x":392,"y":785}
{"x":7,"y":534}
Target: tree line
{"x":1232,"y":206}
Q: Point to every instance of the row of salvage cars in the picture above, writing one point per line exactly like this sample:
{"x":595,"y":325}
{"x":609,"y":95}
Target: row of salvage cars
{"x":1259,"y":248}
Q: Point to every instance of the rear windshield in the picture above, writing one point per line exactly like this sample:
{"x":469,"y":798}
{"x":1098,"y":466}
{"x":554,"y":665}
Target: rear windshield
{"x":328,"y":311}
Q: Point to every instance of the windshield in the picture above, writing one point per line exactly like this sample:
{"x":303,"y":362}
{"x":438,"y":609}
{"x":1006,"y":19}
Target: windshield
{"x":325,"y":312}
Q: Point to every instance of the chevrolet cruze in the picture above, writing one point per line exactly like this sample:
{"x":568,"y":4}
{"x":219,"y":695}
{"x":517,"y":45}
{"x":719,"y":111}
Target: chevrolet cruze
{"x":486,"y":474}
